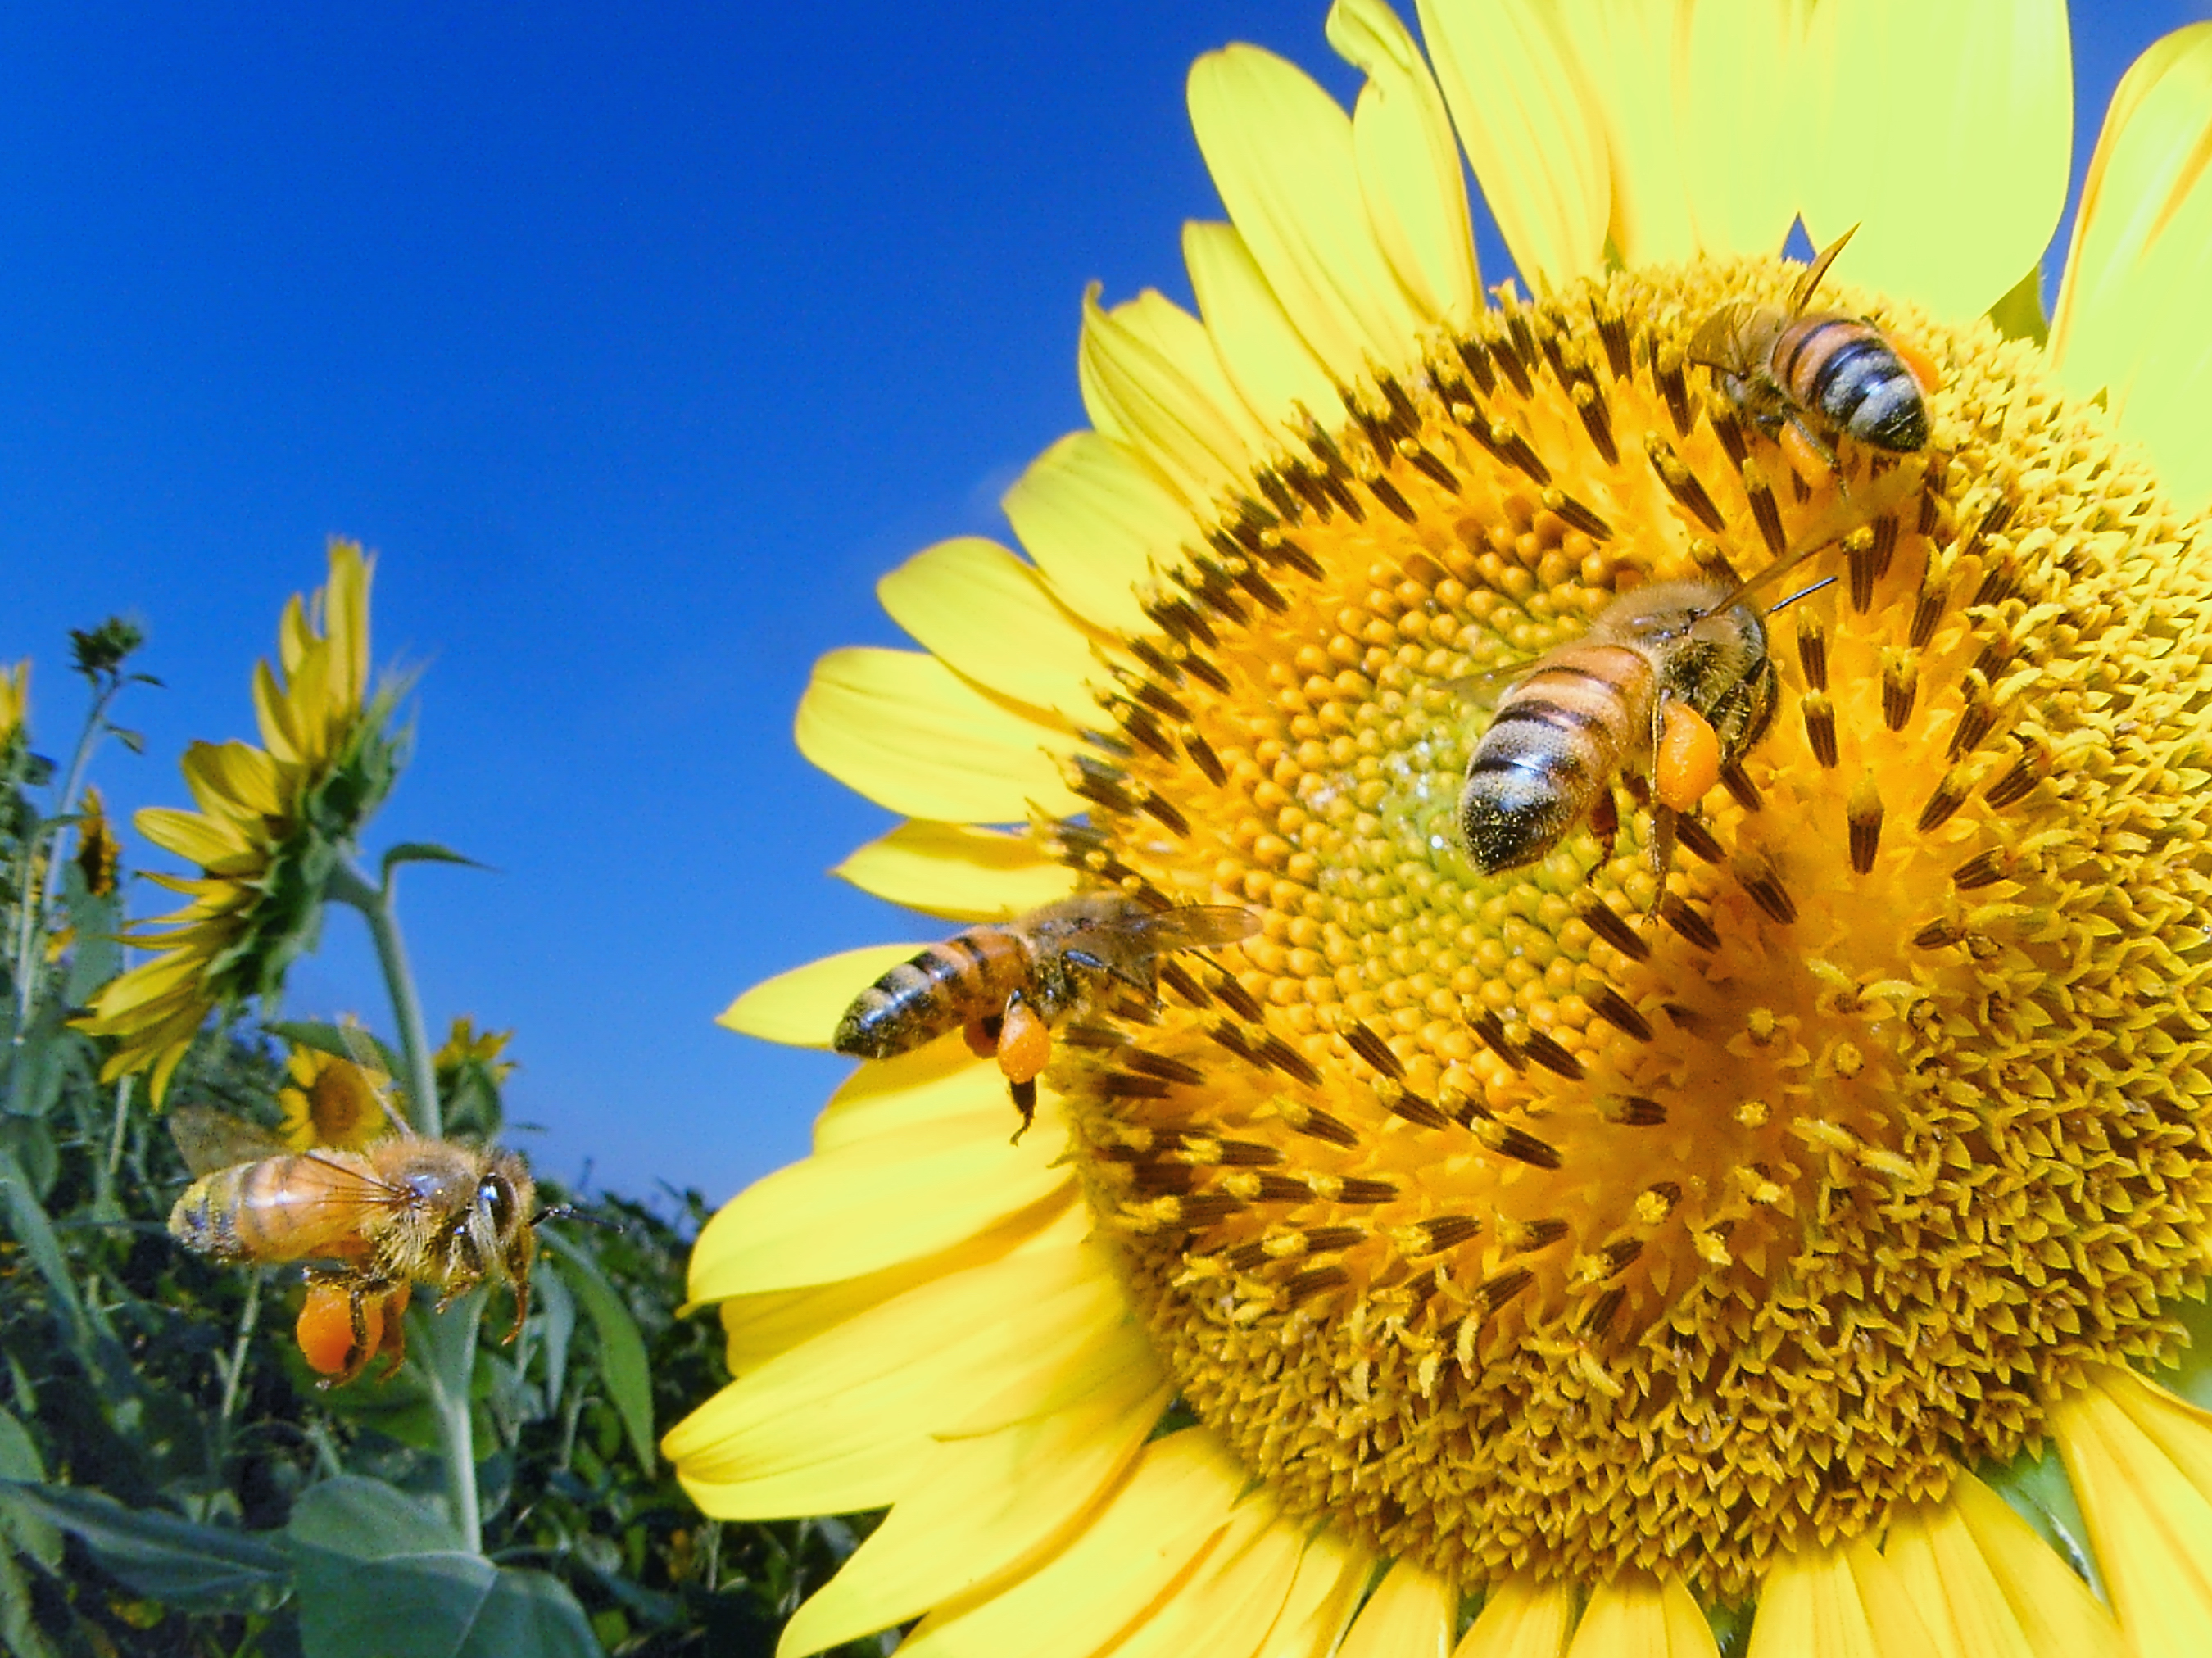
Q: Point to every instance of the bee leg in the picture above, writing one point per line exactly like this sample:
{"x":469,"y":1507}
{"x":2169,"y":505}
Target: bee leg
{"x":1605,"y":823}
{"x":1801,"y":444}
{"x":394,"y":1342}
{"x":1663,"y":851}
{"x":1024,"y":1049}
{"x":360,"y":1349}
{"x":983,"y":1036}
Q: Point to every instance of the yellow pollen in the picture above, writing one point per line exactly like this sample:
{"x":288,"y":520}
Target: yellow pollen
{"x":1562,"y":1221}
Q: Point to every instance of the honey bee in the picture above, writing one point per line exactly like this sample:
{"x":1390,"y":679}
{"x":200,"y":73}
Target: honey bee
{"x":402,"y":1210}
{"x":1007,"y":982}
{"x":1805,"y":377}
{"x":1670,"y":685}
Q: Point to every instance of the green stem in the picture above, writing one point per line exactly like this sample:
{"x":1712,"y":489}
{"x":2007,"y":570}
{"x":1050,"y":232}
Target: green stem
{"x":235,"y":1371}
{"x":30,"y":942}
{"x":348,"y":885}
{"x":445,"y":1345}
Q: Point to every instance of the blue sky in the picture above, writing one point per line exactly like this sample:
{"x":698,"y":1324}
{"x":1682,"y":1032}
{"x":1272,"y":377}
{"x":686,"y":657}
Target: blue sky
{"x":638,"y":345}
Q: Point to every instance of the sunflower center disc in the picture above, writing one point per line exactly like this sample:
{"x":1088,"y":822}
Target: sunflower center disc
{"x":1545,"y":1221}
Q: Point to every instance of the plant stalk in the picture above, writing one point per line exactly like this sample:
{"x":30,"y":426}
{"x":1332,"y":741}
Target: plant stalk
{"x":349,"y":885}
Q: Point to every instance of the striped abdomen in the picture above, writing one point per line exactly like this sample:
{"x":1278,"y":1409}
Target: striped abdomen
{"x":968,"y":976}
{"x":1557,"y":740}
{"x":277,"y":1209}
{"x":1846,"y":370}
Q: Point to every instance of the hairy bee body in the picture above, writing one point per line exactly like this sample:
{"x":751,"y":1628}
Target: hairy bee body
{"x":1594,"y":709}
{"x":404,"y":1210}
{"x":1052,"y":958}
{"x":1822,"y":373}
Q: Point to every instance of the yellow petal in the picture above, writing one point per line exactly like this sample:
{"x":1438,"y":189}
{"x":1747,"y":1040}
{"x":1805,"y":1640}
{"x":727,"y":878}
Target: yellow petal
{"x":233,"y":779}
{"x":1229,"y":1604}
{"x":1412,"y":1614}
{"x":962,"y":873}
{"x":901,"y":728}
{"x":1979,"y":94}
{"x":1151,"y":380}
{"x":891,"y":1198}
{"x":1808,"y":1607}
{"x":205,"y":841}
{"x":801,"y":1008}
{"x":1174,"y":1503}
{"x":345,"y":618}
{"x":2140,"y":1461}
{"x":2131,"y":319}
{"x":1639,"y":1617}
{"x":988,"y":615}
{"x":1744,"y":63}
{"x":1530,"y":130}
{"x":758,"y":1327}
{"x":1989,"y":1587}
{"x":1410,"y":175}
{"x":1522,"y":1618}
{"x":1281,"y":153}
{"x":1274,"y":369}
{"x":937,"y":1083}
{"x":1885,"y":1595}
{"x":1634,"y":59}
{"x":844,"y":1421}
{"x":1331,"y":1574}
{"x":2055,"y":1610}
{"x":989,"y":1507}
{"x":1094,"y":519}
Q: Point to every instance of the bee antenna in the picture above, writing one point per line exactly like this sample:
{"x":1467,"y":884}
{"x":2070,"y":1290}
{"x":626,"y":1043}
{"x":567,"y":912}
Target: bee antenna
{"x":1802,"y":592}
{"x":570,"y":1212}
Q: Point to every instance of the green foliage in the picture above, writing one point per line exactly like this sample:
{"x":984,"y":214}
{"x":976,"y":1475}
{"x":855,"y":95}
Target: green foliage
{"x":174,"y":1480}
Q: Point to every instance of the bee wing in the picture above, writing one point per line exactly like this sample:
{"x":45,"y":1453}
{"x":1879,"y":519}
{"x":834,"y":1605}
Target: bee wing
{"x":212,"y":1139}
{"x":1197,"y":927}
{"x":1713,"y":346}
{"x":1801,"y":295}
{"x":1485,"y":689}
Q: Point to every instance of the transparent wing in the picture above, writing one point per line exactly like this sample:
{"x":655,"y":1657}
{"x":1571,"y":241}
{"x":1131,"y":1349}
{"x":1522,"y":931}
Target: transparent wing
{"x":1714,"y":345}
{"x":1196,"y":926}
{"x":1801,"y":295}
{"x":212,"y":1139}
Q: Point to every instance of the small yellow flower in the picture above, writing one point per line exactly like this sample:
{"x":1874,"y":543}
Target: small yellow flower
{"x":467,"y":1046}
{"x":331,"y":1102}
{"x":15,"y":703}
{"x":1600,"y":1256}
{"x":273,"y":822}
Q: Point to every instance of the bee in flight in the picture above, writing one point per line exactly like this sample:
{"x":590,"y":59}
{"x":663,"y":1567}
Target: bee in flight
{"x":403,"y":1210}
{"x":1807,"y":377}
{"x":1007,"y":982}
{"x":1670,"y":685}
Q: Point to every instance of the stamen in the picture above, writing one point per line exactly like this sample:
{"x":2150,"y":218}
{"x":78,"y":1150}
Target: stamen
{"x":1863,"y":815}
{"x":1681,"y":482}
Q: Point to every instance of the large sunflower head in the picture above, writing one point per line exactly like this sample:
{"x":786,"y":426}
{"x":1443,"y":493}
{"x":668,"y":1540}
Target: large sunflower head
{"x":272,"y":822}
{"x":1618,"y":1225}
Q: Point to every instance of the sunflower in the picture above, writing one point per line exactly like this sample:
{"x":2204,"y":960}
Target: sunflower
{"x":1609,"y":1252}
{"x":331,"y":1102}
{"x":274,"y":822}
{"x":14,"y":706}
{"x":465,"y":1045}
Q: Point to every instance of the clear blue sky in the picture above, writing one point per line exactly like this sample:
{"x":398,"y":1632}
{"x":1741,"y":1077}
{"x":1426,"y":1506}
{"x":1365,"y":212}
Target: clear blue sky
{"x":638,"y":341}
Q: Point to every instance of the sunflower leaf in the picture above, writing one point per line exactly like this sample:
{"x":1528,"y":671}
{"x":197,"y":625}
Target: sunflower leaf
{"x":424,"y":852}
{"x":621,"y":1349}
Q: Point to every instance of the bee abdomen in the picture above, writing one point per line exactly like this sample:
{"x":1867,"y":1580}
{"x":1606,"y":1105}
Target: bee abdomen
{"x":966,"y":977}
{"x":205,"y":1219}
{"x":1846,"y":370}
{"x":1555,"y":741}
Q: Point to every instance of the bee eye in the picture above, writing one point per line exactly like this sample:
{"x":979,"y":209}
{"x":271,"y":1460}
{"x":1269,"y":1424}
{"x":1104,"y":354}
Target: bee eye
{"x":497,"y":1193}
